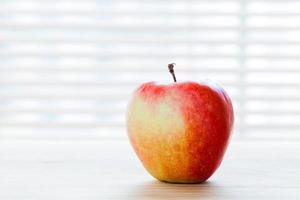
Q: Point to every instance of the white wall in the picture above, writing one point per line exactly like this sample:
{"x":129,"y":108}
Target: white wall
{"x":67,"y":68}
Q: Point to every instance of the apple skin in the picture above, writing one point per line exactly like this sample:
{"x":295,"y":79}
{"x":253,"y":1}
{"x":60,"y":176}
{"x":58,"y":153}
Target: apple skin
{"x":180,"y":131}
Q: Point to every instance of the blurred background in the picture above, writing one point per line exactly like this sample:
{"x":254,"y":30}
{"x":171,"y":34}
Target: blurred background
{"x":67,"y":68}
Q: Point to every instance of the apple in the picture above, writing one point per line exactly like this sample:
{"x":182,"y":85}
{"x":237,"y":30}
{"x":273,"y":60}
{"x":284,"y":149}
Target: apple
{"x":180,"y":131}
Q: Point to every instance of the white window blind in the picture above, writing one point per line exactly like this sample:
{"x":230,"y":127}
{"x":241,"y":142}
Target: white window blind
{"x":67,"y":68}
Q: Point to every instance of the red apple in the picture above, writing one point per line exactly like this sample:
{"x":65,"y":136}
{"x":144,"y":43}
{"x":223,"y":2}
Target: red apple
{"x":180,"y":131}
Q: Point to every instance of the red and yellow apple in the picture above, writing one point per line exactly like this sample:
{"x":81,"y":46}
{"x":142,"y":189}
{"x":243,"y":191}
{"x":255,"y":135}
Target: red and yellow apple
{"x":180,"y":131}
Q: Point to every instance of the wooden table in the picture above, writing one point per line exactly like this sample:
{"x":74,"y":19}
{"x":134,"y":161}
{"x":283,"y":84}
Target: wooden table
{"x":88,"y":170}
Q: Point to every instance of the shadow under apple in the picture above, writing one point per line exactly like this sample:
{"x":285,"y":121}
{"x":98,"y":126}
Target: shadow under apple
{"x":160,"y":190}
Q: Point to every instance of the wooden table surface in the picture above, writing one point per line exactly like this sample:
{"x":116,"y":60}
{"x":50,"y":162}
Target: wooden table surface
{"x":88,"y":170}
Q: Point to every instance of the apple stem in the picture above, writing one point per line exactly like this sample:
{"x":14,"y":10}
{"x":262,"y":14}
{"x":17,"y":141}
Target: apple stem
{"x":171,"y":70}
